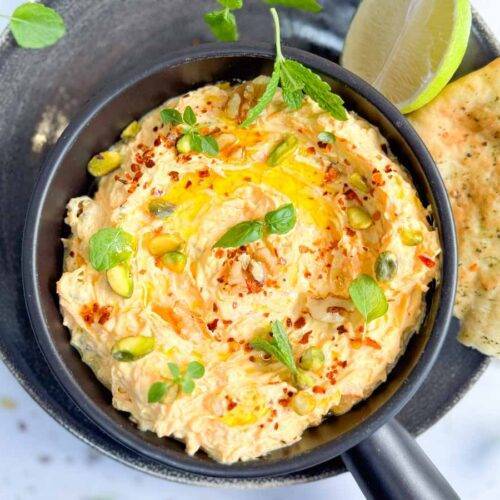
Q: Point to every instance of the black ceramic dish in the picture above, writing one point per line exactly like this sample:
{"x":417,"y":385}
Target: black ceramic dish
{"x":41,"y":89}
{"x":63,"y":177}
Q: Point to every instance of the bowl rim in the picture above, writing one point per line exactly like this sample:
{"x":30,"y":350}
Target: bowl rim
{"x":254,"y":468}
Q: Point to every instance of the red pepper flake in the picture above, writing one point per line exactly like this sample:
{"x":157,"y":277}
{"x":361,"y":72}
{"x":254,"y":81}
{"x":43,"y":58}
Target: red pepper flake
{"x":322,"y":145}
{"x":341,"y":329}
{"x":317,"y":389}
{"x":157,"y":141}
{"x":276,"y":425}
{"x":188,"y":184}
{"x":350,"y":232}
{"x":335,"y":309}
{"x":311,"y":150}
{"x":253,"y":286}
{"x":213,"y":324}
{"x":288,"y":322}
{"x":284,"y":402}
{"x":227,"y":322}
{"x":105,"y":314}
{"x":331,"y":377}
{"x":134,"y":167}
{"x":203,"y":173}
{"x":426,"y":261}
{"x":376,"y":215}
{"x":360,"y":329}
{"x":247,"y":347}
{"x":372,"y":343}
{"x":331,"y":174}
{"x":307,"y":274}
{"x":219,"y":253}
{"x":71,"y":253}
{"x":174,"y":175}
{"x":231,"y":404}
{"x":377,"y":178}
{"x":305,"y":338}
{"x":299,"y":322}
{"x":214,"y":307}
{"x":387,"y":169}
{"x":351,"y":195}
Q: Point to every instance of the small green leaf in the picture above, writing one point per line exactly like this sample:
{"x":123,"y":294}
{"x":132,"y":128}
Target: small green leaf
{"x":282,"y":220}
{"x":110,"y":246}
{"x":195,"y":369}
{"x":209,"y":145}
{"x":326,"y":137}
{"x":306,"y":5}
{"x":231,"y":4}
{"x":265,"y":98}
{"x":170,"y":115}
{"x":293,"y":89}
{"x":157,"y":392}
{"x":279,"y":346}
{"x":222,"y":24}
{"x":174,"y":370}
{"x":195,"y":141}
{"x":187,"y":385}
{"x":35,"y":26}
{"x":317,"y":89}
{"x":189,"y":117}
{"x":241,"y":234}
{"x":368,"y":297}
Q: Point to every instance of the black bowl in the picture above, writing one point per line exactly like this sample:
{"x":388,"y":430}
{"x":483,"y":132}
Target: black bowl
{"x":64,"y":176}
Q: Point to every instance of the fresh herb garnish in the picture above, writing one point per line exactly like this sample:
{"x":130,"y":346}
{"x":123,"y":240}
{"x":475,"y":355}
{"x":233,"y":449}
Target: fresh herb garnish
{"x":278,"y":346}
{"x":191,"y":139}
{"x":368,"y":297}
{"x":296,"y":81}
{"x":306,"y":5}
{"x":35,"y":26}
{"x":185,"y":381}
{"x":222,"y":22}
{"x":279,"y":221}
{"x":241,"y":234}
{"x":110,"y":246}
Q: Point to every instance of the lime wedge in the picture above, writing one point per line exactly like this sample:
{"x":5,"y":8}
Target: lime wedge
{"x":408,"y":49}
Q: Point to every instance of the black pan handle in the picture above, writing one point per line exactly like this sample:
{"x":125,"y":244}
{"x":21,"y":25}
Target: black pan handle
{"x":390,"y":465}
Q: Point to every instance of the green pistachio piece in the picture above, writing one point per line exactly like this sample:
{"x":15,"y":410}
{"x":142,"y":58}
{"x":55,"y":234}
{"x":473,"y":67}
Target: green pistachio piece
{"x":131,"y":130}
{"x":312,"y":359}
{"x":386,"y":266}
{"x":184,"y":144}
{"x":283,"y":151}
{"x":303,"y":380}
{"x":120,"y":279}
{"x":161,"y":208}
{"x":133,"y":348}
{"x":104,"y":163}
{"x":411,"y":237}
{"x":356,"y":180}
{"x":358,"y":218}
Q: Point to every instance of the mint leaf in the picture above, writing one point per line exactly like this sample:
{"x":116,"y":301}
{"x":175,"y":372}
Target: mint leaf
{"x":157,"y":392}
{"x":170,"y":116}
{"x":306,"y":5}
{"x":195,"y":369}
{"x":110,"y":246}
{"x":241,"y":234}
{"x":222,"y":24}
{"x":195,"y":141}
{"x":35,"y":26}
{"x":187,"y":385}
{"x":278,"y":347}
{"x":231,"y":4}
{"x":189,"y":117}
{"x":265,"y":98}
{"x":209,"y":145}
{"x":174,"y":370}
{"x":282,"y":220}
{"x":368,"y":297}
{"x":317,"y":89}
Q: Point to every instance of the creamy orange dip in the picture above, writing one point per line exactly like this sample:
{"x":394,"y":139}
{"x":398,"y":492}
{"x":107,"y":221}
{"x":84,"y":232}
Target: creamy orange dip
{"x":211,"y":304}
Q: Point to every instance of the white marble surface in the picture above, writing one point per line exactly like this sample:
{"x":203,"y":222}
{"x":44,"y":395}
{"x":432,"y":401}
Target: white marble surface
{"x":39,"y":460}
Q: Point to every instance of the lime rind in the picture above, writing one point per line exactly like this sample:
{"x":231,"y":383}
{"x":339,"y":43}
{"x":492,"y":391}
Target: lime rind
{"x":451,"y":59}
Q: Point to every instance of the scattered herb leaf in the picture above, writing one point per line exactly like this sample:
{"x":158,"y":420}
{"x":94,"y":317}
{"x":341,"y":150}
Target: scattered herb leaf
{"x":368,"y":297}
{"x":110,"y":246}
{"x":278,"y":347}
{"x":282,"y":220}
{"x":241,"y":234}
{"x":185,"y":381}
{"x":35,"y":26}
{"x":171,"y":116}
{"x":157,"y":392}
{"x":222,"y":23}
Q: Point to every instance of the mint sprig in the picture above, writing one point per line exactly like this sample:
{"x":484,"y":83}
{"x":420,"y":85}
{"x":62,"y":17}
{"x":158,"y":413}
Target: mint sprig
{"x":109,"y":247}
{"x":368,"y":297}
{"x":296,"y":82}
{"x":222,"y":22}
{"x":185,"y":381}
{"x":196,"y":141}
{"x":35,"y":26}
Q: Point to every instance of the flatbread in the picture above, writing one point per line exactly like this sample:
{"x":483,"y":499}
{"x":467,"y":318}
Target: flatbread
{"x":461,"y":128}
